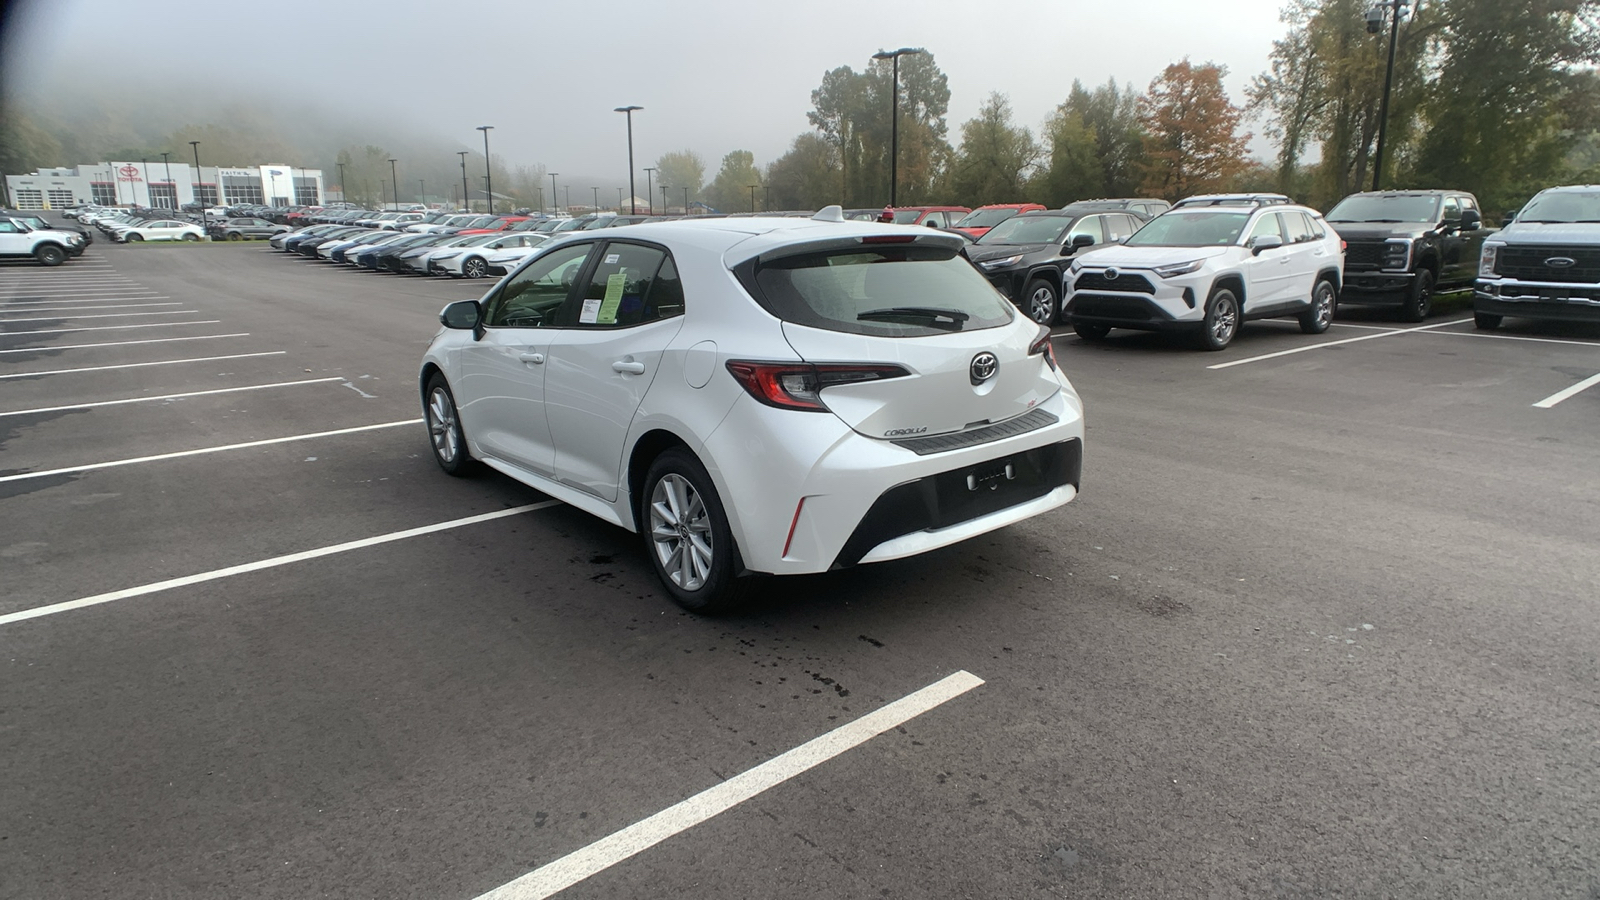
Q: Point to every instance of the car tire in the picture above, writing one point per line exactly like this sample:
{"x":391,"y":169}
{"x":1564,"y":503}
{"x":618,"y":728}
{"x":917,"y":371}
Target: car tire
{"x":1041,"y":302}
{"x":1419,"y":300}
{"x":686,"y":535}
{"x":1486,"y":321}
{"x":445,"y":436}
{"x":1090,"y":331}
{"x":50,"y":255}
{"x":133,"y":237}
{"x":235,"y":236}
{"x":474,"y":267}
{"x":1221,"y":322}
{"x":191,"y":237}
{"x":1324,"y":304}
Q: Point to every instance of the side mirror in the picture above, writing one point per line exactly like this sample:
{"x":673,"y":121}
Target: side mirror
{"x":1470,"y":220}
{"x":462,"y":314}
{"x":1264,"y":243}
{"x":1082,"y":240}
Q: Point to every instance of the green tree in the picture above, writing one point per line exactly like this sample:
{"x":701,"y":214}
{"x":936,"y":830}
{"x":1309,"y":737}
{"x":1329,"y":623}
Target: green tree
{"x":996,"y":157}
{"x":1194,"y":140}
{"x":24,"y":145}
{"x":1290,"y":96}
{"x":682,"y":169}
{"x":730,"y":190}
{"x":1111,"y":114}
{"x":1075,"y":170}
{"x":852,"y":112}
{"x":807,"y":177}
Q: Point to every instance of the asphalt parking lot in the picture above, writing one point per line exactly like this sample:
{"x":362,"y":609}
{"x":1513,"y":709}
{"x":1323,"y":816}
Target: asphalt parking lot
{"x":1321,"y":624}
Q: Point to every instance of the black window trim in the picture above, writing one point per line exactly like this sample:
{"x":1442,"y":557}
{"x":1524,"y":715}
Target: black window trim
{"x":490,"y":307}
{"x":593,"y":265}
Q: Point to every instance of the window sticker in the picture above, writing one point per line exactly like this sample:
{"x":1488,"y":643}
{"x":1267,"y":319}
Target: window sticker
{"x":611,"y":258}
{"x":608,"y":307}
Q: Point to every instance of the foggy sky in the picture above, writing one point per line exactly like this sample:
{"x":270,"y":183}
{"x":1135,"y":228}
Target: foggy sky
{"x":712,"y":75}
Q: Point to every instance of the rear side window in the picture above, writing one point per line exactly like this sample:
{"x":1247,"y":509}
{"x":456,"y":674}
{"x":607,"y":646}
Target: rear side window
{"x":1299,"y":228}
{"x":898,"y":291}
{"x":631,"y":284}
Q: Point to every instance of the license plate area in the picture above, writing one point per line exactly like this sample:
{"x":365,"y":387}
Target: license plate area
{"x":993,"y":485}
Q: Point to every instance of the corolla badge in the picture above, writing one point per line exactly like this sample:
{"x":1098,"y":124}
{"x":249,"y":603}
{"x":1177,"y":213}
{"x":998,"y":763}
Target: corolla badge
{"x":983,"y":367}
{"x":1560,"y":262}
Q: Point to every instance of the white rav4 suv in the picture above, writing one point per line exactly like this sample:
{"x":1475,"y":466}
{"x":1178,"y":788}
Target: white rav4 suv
{"x":759,"y":395}
{"x":1208,"y":264}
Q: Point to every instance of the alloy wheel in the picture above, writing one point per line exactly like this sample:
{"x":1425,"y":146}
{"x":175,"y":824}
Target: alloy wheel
{"x":1042,"y":304}
{"x":1224,"y":320}
{"x":442,"y":425}
{"x":1323,"y":304}
{"x":680,"y":531}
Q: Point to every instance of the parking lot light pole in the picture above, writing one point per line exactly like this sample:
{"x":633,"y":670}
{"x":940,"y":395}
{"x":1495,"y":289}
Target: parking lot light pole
{"x":1396,"y":9}
{"x":171,"y":185}
{"x":619,"y":200}
{"x":488,"y":182}
{"x":464,"y":195}
{"x":394,"y":179}
{"x":649,"y":191}
{"x":554,"y":197}
{"x":753,"y":197}
{"x":629,"y":111}
{"x":343,"y":195}
{"x":422,"y":189}
{"x":894,"y":113}
{"x":596,"y":198}
{"x":664,"y":209}
{"x":686,"y":201}
{"x":205,"y":221}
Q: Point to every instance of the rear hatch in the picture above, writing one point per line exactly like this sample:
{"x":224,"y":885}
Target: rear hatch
{"x":907,"y":337}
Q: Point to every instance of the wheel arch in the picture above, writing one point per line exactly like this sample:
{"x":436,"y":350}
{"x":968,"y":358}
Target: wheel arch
{"x":1332,"y":275}
{"x":650,"y":445}
{"x":1233,"y":281}
{"x":429,"y":369}
{"x":1048,"y":272}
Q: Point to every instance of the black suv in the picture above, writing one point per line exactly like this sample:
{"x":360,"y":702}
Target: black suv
{"x":1402,"y":246}
{"x":1024,"y":256}
{"x":1546,"y":263}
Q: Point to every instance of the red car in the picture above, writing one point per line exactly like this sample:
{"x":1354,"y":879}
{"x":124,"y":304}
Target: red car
{"x":977,"y":223}
{"x":931,"y":216}
{"x":499,"y":224}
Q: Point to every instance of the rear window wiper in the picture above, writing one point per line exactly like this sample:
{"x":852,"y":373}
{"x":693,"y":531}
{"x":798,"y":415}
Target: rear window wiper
{"x":955,"y":316}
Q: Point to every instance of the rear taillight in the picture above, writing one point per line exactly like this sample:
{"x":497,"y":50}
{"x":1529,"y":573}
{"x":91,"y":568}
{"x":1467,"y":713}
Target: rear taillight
{"x":1042,"y":344}
{"x":800,"y":385}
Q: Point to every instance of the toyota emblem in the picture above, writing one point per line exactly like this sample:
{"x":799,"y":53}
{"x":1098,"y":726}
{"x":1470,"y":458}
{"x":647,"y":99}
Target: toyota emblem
{"x":1111,"y":274}
{"x":1560,"y":262}
{"x":984,"y":365}
{"x":129,"y":170}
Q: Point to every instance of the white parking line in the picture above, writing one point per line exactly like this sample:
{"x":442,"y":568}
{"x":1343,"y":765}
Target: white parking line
{"x":90,"y":467}
{"x":106,"y":328}
{"x":165,"y":312}
{"x":33,"y":309}
{"x":140,"y":365}
{"x":185,"y":581}
{"x":54,"y":347}
{"x":554,"y":877}
{"x":26,"y":305}
{"x":232,"y":390}
{"x":1573,"y":391}
{"x":1514,"y":337}
{"x":86,"y":293}
{"x":1365,"y":337}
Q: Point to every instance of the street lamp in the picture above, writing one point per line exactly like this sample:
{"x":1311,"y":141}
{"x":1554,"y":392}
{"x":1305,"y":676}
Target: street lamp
{"x":768,"y":200}
{"x":464,"y":194}
{"x":649,"y":192}
{"x":629,"y":110}
{"x":619,"y":200}
{"x":753,"y":197}
{"x":686,"y":201}
{"x":597,"y":199}
{"x":1375,"y":15}
{"x":894,"y":113}
{"x":205,"y":221}
{"x":165,"y":161}
{"x":488,"y":184}
{"x":343,"y":195}
{"x":664,"y":209}
{"x":394,"y":179}
{"x":553,"y":197}
{"x":422,"y":190}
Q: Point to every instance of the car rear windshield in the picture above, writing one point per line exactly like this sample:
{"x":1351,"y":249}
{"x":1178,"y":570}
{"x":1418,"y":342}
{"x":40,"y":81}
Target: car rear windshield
{"x":1191,"y":229}
{"x":880,"y":291}
{"x":1417,"y":208}
{"x":1563,"y":206}
{"x":1027,"y":230}
{"x":985,"y":218}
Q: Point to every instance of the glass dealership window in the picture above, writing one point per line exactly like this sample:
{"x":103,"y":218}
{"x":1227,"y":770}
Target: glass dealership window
{"x":104,"y":193}
{"x":206,"y":194}
{"x":164,"y":196}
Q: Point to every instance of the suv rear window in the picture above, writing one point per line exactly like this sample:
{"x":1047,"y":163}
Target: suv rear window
{"x":880,"y":291}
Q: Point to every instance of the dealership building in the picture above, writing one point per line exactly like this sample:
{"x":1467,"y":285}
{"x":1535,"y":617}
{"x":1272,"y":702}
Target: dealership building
{"x":165,"y":185}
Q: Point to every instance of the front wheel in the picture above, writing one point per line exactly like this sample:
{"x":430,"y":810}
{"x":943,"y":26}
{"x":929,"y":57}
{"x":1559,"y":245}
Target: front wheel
{"x":687,"y":537}
{"x":135,"y":237}
{"x":191,"y":237}
{"x":449,"y":442}
{"x":1222,"y":320}
{"x":1419,"y":302}
{"x":1043,"y":304}
{"x":50,"y":255}
{"x":1486,"y":321}
{"x":1324,"y":303}
{"x":474,"y":268}
{"x":235,"y":236}
{"x":1090,"y":331}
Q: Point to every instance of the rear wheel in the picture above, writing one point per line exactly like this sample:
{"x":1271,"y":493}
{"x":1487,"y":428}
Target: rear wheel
{"x":687,"y":537}
{"x":1486,"y":321}
{"x":191,"y":237}
{"x":235,"y":236}
{"x":1091,"y":332}
{"x":50,"y":255}
{"x":1222,"y":320}
{"x":1324,"y":303}
{"x":135,"y":236}
{"x":449,"y":442}
{"x":1043,"y":304}
{"x":474,"y":268}
{"x":1419,"y":302}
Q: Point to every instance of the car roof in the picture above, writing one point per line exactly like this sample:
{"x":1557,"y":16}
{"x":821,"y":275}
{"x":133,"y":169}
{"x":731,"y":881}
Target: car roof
{"x":739,"y":240}
{"x":1261,"y":199}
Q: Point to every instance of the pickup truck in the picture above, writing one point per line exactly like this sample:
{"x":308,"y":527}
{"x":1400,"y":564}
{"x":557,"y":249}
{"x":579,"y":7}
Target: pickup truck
{"x":1403,"y":246}
{"x":1546,"y":263}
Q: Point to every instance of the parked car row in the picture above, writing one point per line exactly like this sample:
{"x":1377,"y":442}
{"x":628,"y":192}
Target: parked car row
{"x":466,"y":254}
{"x":125,"y":226}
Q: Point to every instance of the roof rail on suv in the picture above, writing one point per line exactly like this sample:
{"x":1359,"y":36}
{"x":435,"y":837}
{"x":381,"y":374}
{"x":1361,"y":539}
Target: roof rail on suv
{"x":1233,"y":200}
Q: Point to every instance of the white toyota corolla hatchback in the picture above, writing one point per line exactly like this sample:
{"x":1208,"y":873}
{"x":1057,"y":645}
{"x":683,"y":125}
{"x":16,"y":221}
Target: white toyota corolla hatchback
{"x":775,"y":396}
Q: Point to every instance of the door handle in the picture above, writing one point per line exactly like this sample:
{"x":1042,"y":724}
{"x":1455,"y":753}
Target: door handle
{"x":627,"y":367}
{"x":533,"y":358}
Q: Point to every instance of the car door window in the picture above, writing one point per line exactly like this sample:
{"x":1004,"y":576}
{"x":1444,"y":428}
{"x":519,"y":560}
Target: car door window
{"x":534,"y":296}
{"x":631,"y":284}
{"x":7,"y":227}
{"x":1089,"y":225}
{"x":1299,"y":230}
{"x":1265,"y":226}
{"x":1117,"y":227}
{"x":1452,"y":209}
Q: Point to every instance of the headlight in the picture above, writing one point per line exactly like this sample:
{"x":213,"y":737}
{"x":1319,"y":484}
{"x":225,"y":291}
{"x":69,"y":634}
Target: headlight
{"x":1489,"y":262}
{"x":1177,"y":269}
{"x":1001,"y":263}
{"x":1397,"y":253}
{"x":451,"y":255}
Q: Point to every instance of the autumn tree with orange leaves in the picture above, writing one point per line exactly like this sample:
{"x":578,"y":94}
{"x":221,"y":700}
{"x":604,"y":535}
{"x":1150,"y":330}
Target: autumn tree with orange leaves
{"x":1193,"y":144}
